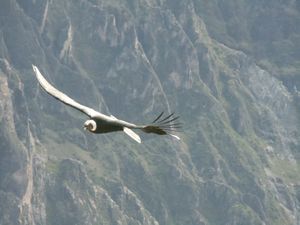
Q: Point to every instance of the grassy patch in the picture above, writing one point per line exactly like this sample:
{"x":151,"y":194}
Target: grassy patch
{"x":286,"y":169}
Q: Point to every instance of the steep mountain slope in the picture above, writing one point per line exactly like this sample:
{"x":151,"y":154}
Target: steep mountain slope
{"x":237,"y":162}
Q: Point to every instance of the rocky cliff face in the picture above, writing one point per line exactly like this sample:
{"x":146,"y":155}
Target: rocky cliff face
{"x":237,"y":162}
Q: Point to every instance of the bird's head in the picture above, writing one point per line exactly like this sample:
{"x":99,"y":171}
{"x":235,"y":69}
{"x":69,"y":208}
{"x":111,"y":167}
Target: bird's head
{"x":90,"y":125}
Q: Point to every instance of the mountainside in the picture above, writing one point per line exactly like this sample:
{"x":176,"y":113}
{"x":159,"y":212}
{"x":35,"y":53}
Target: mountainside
{"x":230,"y":69}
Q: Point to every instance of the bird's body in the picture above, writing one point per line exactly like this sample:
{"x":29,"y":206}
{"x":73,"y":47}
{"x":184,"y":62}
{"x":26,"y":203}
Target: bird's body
{"x":105,"y":127}
{"x":101,"y":123}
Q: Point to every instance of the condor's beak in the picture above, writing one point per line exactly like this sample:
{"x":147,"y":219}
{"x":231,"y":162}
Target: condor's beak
{"x":85,"y":127}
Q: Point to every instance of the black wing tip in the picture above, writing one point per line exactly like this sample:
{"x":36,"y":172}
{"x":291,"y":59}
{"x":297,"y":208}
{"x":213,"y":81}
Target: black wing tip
{"x":166,"y":125}
{"x":157,"y":118}
{"x":165,"y":120}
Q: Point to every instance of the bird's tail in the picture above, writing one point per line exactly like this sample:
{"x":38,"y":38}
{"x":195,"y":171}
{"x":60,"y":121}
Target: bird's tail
{"x":164,"y":126}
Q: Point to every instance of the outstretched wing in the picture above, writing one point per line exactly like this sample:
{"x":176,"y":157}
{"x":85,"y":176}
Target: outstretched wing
{"x":132,"y":134}
{"x":164,"y":126}
{"x":63,"y":97}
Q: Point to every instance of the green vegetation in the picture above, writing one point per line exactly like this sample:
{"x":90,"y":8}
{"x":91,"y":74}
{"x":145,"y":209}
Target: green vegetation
{"x":228,"y":68}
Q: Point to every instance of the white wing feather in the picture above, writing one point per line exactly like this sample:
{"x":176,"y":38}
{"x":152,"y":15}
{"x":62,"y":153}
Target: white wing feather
{"x":132,"y":134}
{"x":175,"y":136}
{"x":63,"y":97}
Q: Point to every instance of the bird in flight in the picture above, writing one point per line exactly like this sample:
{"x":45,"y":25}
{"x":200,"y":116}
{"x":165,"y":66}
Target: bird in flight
{"x":101,"y":123}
